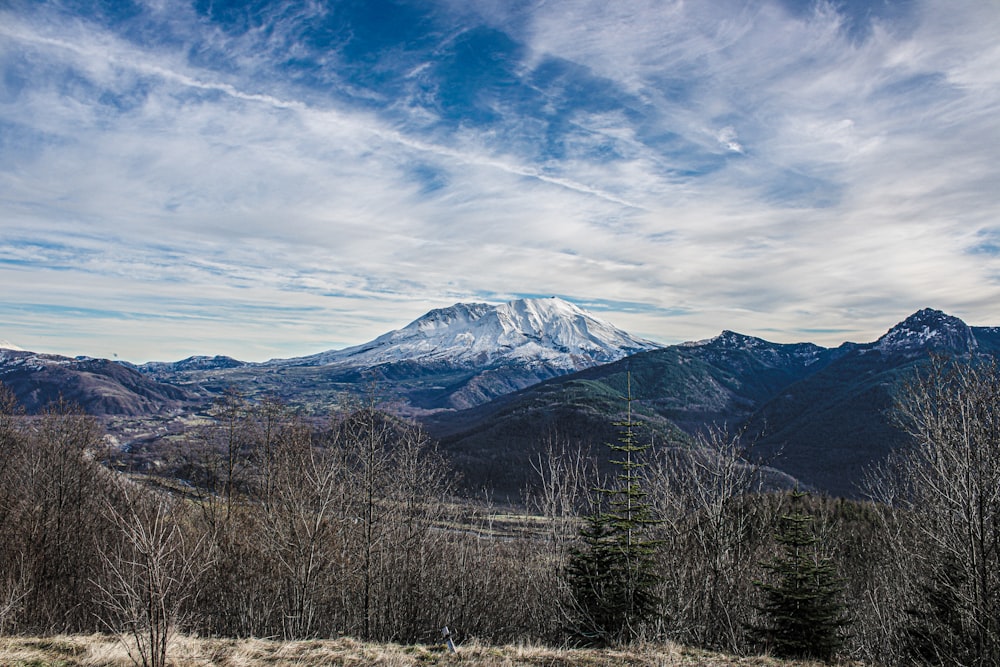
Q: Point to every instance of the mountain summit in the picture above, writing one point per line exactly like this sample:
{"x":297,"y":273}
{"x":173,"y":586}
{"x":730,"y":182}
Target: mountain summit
{"x":550,"y":333}
{"x":450,"y":358}
{"x":928,"y":329}
{"x":470,"y":353}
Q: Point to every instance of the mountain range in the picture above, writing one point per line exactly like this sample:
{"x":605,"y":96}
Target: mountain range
{"x":494,"y":384}
{"x":822,"y":415}
{"x":451,"y":358}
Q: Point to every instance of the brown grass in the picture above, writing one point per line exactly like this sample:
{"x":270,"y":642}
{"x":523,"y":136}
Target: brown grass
{"x":108,"y":651}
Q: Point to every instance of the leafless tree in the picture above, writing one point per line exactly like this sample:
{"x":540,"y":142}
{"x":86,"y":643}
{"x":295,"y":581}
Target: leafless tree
{"x":708,"y":495}
{"x":304,"y":489}
{"x":946,"y":488}
{"x":418,"y":509}
{"x":148,"y":570}
{"x":59,"y":488}
{"x":566,"y":477}
{"x":14,"y":581}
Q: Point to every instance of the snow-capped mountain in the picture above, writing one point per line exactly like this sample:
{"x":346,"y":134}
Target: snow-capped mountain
{"x":529,"y":332}
{"x":450,"y":358}
{"x":7,"y":345}
{"x":195,"y":363}
{"x":928,"y":329}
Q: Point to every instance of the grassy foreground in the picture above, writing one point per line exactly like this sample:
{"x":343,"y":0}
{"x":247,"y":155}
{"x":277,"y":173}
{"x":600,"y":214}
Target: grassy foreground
{"x":108,"y":651}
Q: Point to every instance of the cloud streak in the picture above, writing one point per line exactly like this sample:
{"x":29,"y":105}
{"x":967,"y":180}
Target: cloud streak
{"x":307,"y":177}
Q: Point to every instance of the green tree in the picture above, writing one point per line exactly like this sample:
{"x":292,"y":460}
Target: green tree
{"x":802,"y":607}
{"x":612,"y":573}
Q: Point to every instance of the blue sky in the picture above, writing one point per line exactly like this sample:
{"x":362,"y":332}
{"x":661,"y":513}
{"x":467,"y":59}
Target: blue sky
{"x":271,"y":179}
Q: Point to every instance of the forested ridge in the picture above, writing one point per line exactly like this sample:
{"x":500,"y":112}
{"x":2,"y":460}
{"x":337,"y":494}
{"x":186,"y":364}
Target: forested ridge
{"x":274,"y":525}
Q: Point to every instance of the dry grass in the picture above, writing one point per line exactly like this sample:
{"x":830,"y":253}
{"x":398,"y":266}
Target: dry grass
{"x":108,"y":651}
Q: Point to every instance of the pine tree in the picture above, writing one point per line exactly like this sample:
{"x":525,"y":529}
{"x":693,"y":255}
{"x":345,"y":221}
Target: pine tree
{"x":803,"y":608}
{"x":612,"y":574}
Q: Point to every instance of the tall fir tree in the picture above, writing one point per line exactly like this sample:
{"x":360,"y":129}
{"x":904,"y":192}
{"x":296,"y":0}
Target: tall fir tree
{"x":612,"y":574}
{"x":805,"y":617}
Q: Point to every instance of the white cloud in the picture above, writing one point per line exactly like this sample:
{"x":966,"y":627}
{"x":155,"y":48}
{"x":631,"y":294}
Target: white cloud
{"x":727,"y":139}
{"x":765,"y":172}
{"x":819,"y":105}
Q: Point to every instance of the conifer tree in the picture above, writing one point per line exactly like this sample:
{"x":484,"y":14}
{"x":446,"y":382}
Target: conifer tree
{"x":612,"y":574}
{"x":804,"y":613}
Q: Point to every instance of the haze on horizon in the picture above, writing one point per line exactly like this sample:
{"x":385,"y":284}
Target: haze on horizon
{"x":277,"y":178}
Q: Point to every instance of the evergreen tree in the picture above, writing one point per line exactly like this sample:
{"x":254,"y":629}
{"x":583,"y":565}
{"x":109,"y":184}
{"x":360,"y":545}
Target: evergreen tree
{"x":803,"y":609}
{"x":612,"y":574}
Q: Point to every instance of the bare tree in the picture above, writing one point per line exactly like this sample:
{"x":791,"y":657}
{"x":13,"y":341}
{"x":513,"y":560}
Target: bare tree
{"x":231,"y":437}
{"x":715,"y":532}
{"x":149,"y":570}
{"x":301,"y":511}
{"x":369,"y":437}
{"x":15,"y":581}
{"x":59,"y":486}
{"x":420,"y":483}
{"x":11,"y":415}
{"x":566,"y":479}
{"x":948,"y":488}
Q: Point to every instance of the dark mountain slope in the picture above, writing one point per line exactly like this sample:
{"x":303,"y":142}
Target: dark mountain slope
{"x":830,"y":427}
{"x":676,"y":390}
{"x":827,"y":429}
{"x":99,"y":386}
{"x":821,"y":415}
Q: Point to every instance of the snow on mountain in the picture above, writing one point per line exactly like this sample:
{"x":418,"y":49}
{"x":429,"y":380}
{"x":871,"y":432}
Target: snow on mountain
{"x":550,"y":332}
{"x":195,"y":363}
{"x":99,"y":386}
{"x":749,"y":369}
{"x":7,"y":345}
{"x":928,"y":329}
{"x":727,"y":345}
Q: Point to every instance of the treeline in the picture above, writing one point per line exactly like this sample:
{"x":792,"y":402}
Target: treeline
{"x":274,"y":526}
{"x":280,"y":529}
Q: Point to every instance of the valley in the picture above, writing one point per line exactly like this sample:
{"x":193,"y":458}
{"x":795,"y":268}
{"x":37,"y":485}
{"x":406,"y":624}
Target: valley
{"x":492,"y":384}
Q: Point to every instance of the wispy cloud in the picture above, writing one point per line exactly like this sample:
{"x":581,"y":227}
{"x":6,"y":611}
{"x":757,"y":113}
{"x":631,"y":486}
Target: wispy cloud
{"x":173,"y":182}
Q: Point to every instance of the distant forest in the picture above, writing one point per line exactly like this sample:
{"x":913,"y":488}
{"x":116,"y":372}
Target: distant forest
{"x":269,"y":524}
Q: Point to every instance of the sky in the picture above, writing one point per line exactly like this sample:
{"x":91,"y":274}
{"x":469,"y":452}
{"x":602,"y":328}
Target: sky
{"x":269,"y":179}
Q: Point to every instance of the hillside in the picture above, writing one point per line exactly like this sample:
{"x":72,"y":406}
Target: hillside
{"x":828,"y":428}
{"x":678,"y":391}
{"x":99,"y":386}
{"x":821,"y":415}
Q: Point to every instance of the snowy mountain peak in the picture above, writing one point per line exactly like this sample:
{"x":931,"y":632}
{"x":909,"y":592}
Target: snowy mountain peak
{"x":735,"y":341}
{"x":440,"y":318}
{"x":737,"y":350}
{"x":549,"y":331}
{"x":928,"y":329}
{"x":7,"y":345}
{"x":195,"y":363}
